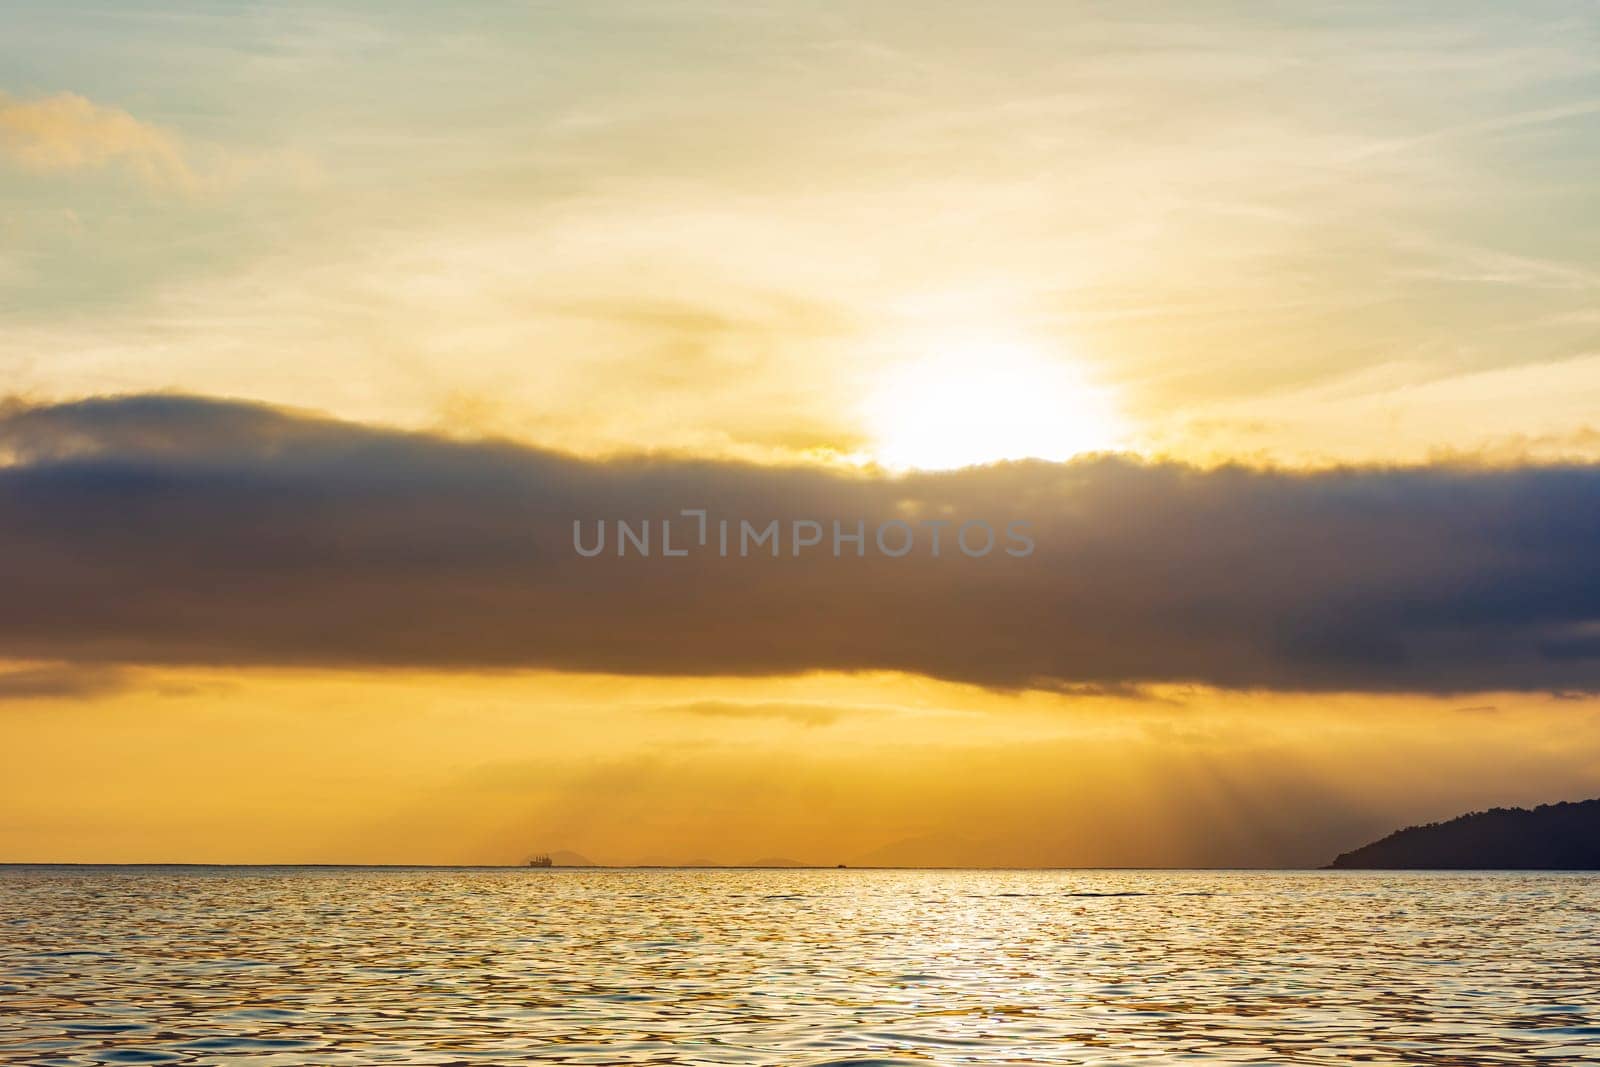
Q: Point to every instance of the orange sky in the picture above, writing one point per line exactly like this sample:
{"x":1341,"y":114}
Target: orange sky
{"x":419,"y":288}
{"x":262,"y":766}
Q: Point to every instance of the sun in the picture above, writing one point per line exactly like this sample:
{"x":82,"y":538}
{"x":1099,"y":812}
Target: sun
{"x":978,"y":402}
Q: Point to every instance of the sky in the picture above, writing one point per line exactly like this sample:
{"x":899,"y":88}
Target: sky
{"x":320,"y":325}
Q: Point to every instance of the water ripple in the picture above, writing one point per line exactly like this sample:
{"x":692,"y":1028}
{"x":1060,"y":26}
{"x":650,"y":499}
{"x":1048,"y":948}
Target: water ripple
{"x":288,"y":967}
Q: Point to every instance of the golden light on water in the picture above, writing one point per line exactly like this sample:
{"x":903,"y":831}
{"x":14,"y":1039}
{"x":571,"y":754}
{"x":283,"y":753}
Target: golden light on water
{"x":983,"y":400}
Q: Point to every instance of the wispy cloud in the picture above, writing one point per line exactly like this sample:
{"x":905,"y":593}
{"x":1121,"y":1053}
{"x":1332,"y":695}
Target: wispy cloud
{"x":62,"y":681}
{"x":708,"y":244}
{"x":66,"y":132}
{"x":801,"y":713}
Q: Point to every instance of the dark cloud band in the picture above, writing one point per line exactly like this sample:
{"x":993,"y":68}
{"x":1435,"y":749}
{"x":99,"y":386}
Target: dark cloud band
{"x":167,"y":529}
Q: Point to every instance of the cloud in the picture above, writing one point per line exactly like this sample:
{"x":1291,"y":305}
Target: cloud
{"x":806,"y":714}
{"x":61,"y":681}
{"x":178,"y":529}
{"x":66,"y":132}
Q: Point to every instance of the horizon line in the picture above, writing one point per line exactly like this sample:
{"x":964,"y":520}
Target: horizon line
{"x":754,"y":867}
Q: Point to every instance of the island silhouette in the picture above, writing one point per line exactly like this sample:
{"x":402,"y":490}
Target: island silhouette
{"x":1551,"y":837}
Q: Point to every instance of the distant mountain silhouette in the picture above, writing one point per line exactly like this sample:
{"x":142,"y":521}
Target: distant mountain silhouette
{"x":925,"y":850}
{"x":1550,"y":837}
{"x":570,"y":859}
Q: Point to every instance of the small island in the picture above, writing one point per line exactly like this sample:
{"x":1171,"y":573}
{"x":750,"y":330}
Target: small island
{"x":1551,"y":837}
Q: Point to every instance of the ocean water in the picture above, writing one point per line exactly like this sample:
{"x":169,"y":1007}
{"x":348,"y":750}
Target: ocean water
{"x":437,"y":966}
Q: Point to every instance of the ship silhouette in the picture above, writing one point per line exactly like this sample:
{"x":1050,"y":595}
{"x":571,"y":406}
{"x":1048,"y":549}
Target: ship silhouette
{"x":541,"y":860}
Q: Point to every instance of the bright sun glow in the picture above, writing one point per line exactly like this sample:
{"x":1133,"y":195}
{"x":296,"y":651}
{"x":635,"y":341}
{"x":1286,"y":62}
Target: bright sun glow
{"x":981,"y":402}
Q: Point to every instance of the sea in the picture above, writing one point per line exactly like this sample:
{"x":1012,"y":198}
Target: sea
{"x":327,"y":965}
